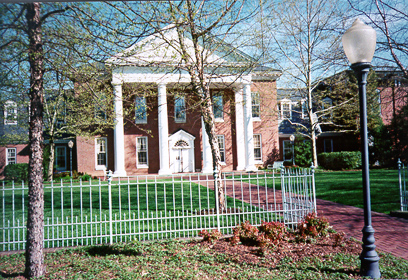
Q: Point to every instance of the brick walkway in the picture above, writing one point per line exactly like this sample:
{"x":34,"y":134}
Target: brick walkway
{"x":391,"y":234}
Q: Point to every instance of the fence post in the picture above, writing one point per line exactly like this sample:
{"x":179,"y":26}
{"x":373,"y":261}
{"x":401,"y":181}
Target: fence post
{"x":110,"y":206}
{"x":217,"y":202}
{"x":400,"y":183}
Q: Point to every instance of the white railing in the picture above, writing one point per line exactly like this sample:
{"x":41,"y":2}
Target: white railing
{"x":402,"y":172}
{"x":155,"y":207}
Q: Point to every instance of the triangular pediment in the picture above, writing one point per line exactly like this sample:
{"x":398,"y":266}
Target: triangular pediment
{"x":181,"y":135}
{"x":163,"y":48}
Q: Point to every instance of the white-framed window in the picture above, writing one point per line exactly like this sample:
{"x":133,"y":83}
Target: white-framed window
{"x":60,"y":158}
{"x":101,"y":155}
{"x":179,"y":109}
{"x":256,"y":106}
{"x":10,"y":113}
{"x":328,"y":145}
{"x":140,"y":110}
{"x":257,"y":147}
{"x":287,"y":150}
{"x":218,"y":106}
{"x":285,"y":109}
{"x":221,"y":145}
{"x":142,"y":159}
{"x":11,"y":157}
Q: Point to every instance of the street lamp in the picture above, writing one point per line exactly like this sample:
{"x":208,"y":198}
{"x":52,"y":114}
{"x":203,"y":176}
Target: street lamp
{"x":70,"y":145}
{"x":359,"y":45}
{"x":292,"y":141}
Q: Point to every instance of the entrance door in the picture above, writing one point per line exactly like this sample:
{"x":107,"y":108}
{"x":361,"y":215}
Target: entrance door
{"x":182,"y":161}
{"x":181,"y":152}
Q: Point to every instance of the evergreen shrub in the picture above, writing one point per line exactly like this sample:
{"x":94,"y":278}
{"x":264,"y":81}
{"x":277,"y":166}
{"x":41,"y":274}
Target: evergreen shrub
{"x":340,"y":160}
{"x":16,"y":172}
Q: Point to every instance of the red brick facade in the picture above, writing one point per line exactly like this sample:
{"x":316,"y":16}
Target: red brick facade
{"x":267,"y":127}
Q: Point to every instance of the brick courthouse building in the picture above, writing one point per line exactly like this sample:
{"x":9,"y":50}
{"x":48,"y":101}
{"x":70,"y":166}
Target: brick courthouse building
{"x":167,"y":135}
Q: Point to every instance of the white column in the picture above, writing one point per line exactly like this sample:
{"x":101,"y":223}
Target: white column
{"x":163,"y":131}
{"x":118,"y":131}
{"x":207,"y":156}
{"x":249,"y":129}
{"x":239,"y":129}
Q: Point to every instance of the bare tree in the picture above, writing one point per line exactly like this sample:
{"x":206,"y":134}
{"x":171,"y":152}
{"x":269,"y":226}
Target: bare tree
{"x":199,"y":21}
{"x":390,"y":19}
{"x":304,"y":41}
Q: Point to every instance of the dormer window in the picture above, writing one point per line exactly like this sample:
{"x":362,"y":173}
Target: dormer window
{"x":285,"y":109}
{"x":10,"y":113}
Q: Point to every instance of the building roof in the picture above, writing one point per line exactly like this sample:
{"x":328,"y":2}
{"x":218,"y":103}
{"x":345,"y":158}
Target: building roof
{"x":163,"y":49}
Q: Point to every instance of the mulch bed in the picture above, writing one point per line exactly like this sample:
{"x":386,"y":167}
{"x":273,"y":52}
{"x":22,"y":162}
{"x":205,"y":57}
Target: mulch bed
{"x":319,"y":247}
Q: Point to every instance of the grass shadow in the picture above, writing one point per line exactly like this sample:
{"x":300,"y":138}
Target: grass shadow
{"x":12,"y":275}
{"x":106,"y":250}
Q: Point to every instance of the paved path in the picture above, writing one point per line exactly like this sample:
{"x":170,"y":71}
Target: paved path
{"x":391,"y":234}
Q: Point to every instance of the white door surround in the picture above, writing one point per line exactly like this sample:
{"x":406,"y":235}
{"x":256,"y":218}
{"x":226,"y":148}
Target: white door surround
{"x":181,"y":152}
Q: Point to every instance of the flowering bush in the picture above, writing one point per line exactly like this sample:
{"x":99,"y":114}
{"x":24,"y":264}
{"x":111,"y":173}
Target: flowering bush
{"x":312,"y":226}
{"x":274,"y":231}
{"x":245,"y":233}
{"x":265,"y":236}
{"x":210,"y":236}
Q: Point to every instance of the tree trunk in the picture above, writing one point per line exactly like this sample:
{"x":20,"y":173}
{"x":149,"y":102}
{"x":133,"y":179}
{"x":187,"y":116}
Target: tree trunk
{"x":209,"y":124}
{"x":35,"y":219}
{"x":314,"y":149}
{"x":50,"y":172}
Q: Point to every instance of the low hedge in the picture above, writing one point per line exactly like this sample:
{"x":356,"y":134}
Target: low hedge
{"x":340,"y":160}
{"x":16,"y":172}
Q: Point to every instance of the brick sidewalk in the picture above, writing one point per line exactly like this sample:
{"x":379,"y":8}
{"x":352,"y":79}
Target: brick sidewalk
{"x":391,"y":234}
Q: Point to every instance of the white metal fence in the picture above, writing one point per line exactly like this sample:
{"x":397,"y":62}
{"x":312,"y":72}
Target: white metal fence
{"x":402,"y":173}
{"x":155,"y":207}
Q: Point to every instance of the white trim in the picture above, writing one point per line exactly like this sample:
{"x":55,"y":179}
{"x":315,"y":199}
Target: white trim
{"x":7,"y":155}
{"x":142,"y":165}
{"x":97,"y":151}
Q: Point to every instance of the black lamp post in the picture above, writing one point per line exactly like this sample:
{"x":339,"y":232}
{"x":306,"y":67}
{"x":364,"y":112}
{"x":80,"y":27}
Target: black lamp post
{"x":359,"y":45}
{"x":292,"y":141}
{"x":70,"y":145}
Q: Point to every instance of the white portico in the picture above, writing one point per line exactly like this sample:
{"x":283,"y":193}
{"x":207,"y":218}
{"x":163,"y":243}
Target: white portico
{"x":153,"y":61}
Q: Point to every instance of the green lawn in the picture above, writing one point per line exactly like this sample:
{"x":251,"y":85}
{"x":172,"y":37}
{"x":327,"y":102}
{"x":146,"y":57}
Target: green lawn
{"x":345,"y":187}
{"x":191,"y":260}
